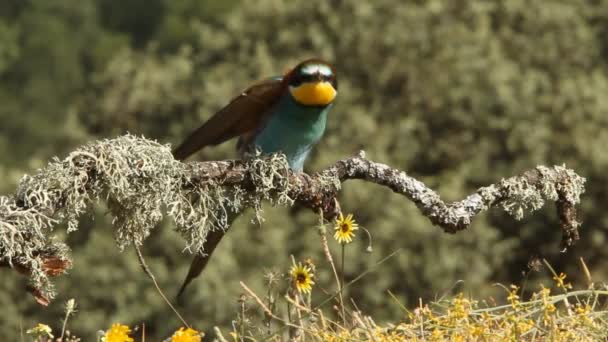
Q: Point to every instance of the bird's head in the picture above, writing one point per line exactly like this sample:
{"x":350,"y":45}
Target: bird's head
{"x":313,"y":83}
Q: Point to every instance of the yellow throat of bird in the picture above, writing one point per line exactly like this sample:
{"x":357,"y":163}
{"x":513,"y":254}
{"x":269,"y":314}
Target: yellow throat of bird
{"x":313,"y":93}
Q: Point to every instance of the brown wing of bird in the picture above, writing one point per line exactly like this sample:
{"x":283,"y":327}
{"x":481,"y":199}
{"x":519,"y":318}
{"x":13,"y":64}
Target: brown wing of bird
{"x":242,"y":115}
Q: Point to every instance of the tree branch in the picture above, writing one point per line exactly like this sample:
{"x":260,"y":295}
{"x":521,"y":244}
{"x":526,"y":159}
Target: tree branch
{"x":139,"y":178}
{"x":528,"y":191}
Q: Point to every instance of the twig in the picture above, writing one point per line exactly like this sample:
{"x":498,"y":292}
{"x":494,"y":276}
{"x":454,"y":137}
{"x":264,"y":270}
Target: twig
{"x":327,"y":252}
{"x":342,"y":284}
{"x":218,"y":334}
{"x":586,"y":272}
{"x":241,"y":321}
{"x":298,"y":305}
{"x":310,"y":311}
{"x":357,"y":278}
{"x":70,"y":308}
{"x":562,"y":285}
{"x":263,"y":306}
{"x":147,"y":270}
{"x":65,"y":321}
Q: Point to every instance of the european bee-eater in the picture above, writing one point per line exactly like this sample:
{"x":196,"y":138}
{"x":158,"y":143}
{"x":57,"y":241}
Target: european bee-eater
{"x":282,"y":114}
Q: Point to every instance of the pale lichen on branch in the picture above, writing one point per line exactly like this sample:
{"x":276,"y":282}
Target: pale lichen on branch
{"x":527,"y":192}
{"x":142,"y":182}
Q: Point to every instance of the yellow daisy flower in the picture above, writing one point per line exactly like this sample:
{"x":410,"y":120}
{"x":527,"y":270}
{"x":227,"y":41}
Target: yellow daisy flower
{"x":302,"y":278}
{"x":345,"y":228}
{"x":186,"y":335}
{"x":41,"y":330}
{"x":118,"y":333}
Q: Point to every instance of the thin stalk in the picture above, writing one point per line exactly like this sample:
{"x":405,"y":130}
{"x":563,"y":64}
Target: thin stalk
{"x":327,"y":252}
{"x":148,"y":272}
{"x":65,"y":321}
{"x":342,"y":283}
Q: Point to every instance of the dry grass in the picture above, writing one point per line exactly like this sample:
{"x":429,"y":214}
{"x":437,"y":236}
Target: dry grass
{"x":549,"y":314}
{"x":555,"y":313}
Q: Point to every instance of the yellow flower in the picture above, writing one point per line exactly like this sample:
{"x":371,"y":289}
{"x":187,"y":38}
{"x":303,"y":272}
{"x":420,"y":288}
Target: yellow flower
{"x":186,"y":335}
{"x":582,"y":310}
{"x":41,"y":330}
{"x":513,"y":298}
{"x":302,"y":278}
{"x":345,"y":228}
{"x":583,"y":314}
{"x":560,"y":281}
{"x":118,"y":333}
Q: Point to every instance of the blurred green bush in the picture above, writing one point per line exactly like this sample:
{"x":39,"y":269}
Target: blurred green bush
{"x":457,"y":93}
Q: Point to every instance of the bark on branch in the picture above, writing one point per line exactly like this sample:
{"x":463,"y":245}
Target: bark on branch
{"x":528,"y":191}
{"x":139,"y":178}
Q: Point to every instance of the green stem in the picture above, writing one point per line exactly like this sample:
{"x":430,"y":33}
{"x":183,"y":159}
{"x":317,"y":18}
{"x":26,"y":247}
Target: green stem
{"x":342,"y":284}
{"x":65,"y":322}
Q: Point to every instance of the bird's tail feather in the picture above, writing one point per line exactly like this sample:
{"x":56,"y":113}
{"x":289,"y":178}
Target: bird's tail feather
{"x":200,"y":260}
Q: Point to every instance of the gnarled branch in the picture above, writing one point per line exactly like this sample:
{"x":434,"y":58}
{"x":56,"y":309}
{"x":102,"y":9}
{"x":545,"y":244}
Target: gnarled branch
{"x":139,"y":178}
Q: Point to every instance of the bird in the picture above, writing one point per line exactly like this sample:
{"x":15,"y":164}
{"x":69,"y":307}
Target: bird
{"x":286,"y":114}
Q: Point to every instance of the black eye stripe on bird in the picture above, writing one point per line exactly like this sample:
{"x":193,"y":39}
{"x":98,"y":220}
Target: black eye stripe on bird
{"x":299,"y":79}
{"x":304,"y":75}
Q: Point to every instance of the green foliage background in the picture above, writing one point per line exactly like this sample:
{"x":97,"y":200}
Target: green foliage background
{"x":457,"y":93}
